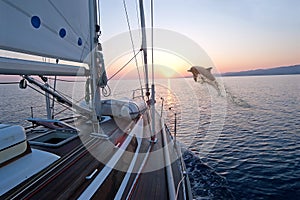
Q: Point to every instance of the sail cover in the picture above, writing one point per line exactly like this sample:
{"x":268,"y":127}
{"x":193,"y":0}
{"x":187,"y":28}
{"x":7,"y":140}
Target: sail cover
{"x":50,"y":28}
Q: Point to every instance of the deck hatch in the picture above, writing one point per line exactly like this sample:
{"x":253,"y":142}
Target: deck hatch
{"x":54,"y":138}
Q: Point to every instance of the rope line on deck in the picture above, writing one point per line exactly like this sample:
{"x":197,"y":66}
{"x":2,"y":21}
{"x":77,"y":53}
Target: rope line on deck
{"x":177,"y":189}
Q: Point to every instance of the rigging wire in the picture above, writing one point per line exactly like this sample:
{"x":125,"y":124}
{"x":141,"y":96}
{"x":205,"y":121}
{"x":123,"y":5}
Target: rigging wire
{"x":61,"y":93}
{"x":132,"y":44}
{"x":64,"y":96}
{"x":60,"y":103}
{"x":51,"y":98}
{"x":64,"y":80}
{"x":66,"y":108}
{"x":125,"y":65}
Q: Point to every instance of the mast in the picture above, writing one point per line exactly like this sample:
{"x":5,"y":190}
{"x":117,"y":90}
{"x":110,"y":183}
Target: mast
{"x":144,"y":49}
{"x":144,"y":46}
{"x":152,"y":86}
{"x":96,"y":96}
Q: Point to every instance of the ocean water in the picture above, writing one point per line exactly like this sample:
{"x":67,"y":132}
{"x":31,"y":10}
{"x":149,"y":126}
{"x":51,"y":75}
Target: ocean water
{"x":258,"y":149}
{"x":249,"y":135}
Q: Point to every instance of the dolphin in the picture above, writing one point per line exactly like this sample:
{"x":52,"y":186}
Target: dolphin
{"x":205,"y":75}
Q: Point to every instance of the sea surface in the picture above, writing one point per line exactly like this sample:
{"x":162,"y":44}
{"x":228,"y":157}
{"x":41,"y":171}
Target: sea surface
{"x":250,"y":134}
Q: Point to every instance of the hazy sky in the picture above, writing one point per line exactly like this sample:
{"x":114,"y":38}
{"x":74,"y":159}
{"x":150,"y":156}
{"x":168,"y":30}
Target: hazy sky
{"x":236,"y":34}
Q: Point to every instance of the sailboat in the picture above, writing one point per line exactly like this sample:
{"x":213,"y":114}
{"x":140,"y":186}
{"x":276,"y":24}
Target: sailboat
{"x":112,"y":148}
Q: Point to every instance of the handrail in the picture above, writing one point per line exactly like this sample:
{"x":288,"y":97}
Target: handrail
{"x":170,"y":178}
{"x":186,"y":185}
{"x":135,"y":90}
{"x":187,"y":191}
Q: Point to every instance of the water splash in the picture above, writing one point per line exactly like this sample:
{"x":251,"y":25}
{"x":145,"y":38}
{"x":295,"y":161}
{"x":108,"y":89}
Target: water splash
{"x":224,"y":92}
{"x":237,"y":101}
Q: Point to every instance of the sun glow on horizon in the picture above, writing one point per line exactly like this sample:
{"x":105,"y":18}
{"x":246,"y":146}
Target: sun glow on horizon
{"x":166,"y":65}
{"x":170,"y":65}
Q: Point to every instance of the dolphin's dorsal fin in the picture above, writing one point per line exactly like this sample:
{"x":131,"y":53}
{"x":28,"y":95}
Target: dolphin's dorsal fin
{"x":209,"y":69}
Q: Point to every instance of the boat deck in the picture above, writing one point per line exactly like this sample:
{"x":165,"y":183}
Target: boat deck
{"x":77,"y":174}
{"x":152,"y":183}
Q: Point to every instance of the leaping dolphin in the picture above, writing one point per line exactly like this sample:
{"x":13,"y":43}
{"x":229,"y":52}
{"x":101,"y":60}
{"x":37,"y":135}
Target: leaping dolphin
{"x":202,"y":72}
{"x":205,"y":75}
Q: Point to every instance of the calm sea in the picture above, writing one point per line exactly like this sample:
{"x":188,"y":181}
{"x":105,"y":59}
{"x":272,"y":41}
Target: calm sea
{"x":250,"y":135}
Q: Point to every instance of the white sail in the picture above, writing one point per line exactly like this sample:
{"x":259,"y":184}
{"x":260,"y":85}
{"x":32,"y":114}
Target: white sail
{"x":50,"y":28}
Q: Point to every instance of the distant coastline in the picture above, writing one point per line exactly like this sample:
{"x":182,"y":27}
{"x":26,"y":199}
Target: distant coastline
{"x":285,"y":70}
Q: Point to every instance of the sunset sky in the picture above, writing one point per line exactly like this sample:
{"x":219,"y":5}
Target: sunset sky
{"x":236,"y":34}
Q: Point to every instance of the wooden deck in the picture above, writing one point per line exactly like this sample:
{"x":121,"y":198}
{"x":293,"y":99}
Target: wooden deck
{"x":67,"y":178}
{"x":152,"y":184}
